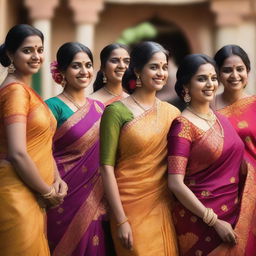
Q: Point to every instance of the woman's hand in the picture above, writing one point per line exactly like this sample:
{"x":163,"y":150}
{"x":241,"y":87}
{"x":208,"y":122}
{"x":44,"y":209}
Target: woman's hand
{"x":60,"y":187}
{"x":225,"y":231}
{"x":125,"y":235}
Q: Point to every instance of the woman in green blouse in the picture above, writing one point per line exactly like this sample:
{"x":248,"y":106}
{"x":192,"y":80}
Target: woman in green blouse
{"x":133,"y":150}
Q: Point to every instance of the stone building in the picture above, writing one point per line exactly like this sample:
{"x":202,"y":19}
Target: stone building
{"x":183,"y":26}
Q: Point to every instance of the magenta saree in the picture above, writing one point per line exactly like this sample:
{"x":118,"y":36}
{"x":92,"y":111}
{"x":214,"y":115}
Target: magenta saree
{"x":242,"y":114}
{"x":79,"y":227}
{"x":216,"y":173}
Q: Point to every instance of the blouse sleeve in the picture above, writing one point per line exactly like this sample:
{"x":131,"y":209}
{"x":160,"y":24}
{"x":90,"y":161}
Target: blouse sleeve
{"x":15,"y":106}
{"x":110,"y":126}
{"x":179,"y":143}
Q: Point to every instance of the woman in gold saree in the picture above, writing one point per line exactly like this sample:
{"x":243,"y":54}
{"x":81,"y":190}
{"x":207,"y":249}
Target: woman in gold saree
{"x":133,"y":139}
{"x":27,"y":168}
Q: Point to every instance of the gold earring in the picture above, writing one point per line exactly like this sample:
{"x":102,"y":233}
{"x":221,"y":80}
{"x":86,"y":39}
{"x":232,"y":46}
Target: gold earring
{"x":104,"y":79}
{"x":11,"y":68}
{"x":187,"y":97}
{"x":138,"y":81}
{"x":63,"y":82}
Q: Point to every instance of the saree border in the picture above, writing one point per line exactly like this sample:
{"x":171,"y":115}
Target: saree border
{"x":72,"y":236}
{"x":73,"y":120}
{"x":238,"y":107}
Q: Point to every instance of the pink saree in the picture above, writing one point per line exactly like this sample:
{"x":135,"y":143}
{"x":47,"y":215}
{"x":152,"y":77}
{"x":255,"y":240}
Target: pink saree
{"x":242,"y":114}
{"x":78,"y":227}
{"x":216,"y":173}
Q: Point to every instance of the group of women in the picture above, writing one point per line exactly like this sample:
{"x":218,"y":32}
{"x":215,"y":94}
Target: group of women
{"x":92,"y":175}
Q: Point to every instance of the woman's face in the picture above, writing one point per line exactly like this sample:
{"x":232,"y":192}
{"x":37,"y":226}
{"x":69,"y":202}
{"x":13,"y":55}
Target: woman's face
{"x":203,"y":84}
{"x":79,"y":72}
{"x":29,"y":57}
{"x":154,"y":74}
{"x":116,"y":65}
{"x":233,"y":74}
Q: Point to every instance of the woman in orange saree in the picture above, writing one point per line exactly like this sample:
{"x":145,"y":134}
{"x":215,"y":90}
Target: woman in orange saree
{"x":133,"y":159}
{"x":107,"y":86}
{"x":27,"y":167}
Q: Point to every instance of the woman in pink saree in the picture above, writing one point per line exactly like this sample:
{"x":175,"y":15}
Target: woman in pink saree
{"x":238,"y":106}
{"x":214,"y":187}
{"x":79,"y":226}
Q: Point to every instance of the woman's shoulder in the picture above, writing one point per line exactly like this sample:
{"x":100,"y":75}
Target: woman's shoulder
{"x":170,"y":108}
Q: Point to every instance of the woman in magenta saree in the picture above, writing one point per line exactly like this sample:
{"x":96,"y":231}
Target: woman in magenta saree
{"x":239,"y":107}
{"x":215,"y":189}
{"x":79,"y":226}
{"x":213,"y":172}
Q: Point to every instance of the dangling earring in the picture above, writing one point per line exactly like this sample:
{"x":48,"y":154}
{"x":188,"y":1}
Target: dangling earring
{"x":187,"y":97}
{"x":63,"y":82}
{"x":11,"y":68}
{"x":138,"y":81}
{"x":104,"y":79}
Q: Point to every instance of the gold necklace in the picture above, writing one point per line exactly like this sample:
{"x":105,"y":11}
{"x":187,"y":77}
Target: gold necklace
{"x":210,"y":118}
{"x":71,"y":99}
{"x":140,"y":105}
{"x":111,"y":93}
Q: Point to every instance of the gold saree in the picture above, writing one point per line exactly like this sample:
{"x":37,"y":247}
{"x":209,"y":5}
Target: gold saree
{"x":21,"y":218}
{"x":141,"y":174}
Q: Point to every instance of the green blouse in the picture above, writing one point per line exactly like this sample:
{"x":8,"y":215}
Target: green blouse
{"x":114,"y":117}
{"x":60,"y":110}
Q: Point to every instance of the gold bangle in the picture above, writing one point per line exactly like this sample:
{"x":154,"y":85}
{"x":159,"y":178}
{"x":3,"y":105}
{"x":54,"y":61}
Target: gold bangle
{"x":121,"y":223}
{"x":48,"y":195}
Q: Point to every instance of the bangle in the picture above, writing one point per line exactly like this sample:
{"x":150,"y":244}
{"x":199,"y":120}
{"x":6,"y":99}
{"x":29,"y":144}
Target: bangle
{"x":210,"y":217}
{"x":49,"y":194}
{"x":122,"y":222}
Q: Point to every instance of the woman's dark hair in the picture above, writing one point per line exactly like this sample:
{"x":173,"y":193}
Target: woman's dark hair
{"x":230,"y":50}
{"x":140,"y":56}
{"x":67,"y":52}
{"x":14,"y":40}
{"x":104,"y":56}
{"x":188,"y":68}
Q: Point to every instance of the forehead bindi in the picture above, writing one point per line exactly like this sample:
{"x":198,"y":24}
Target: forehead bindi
{"x":32,"y":41}
{"x":233,"y":61}
{"x":119,"y":53}
{"x":81,"y":57}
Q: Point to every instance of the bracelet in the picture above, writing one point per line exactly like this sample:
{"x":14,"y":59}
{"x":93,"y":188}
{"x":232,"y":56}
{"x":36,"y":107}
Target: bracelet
{"x":49,"y":194}
{"x":121,"y":223}
{"x":210,"y":217}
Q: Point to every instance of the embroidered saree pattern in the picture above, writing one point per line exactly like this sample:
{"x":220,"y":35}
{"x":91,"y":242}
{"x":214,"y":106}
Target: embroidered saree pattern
{"x":140,"y":170}
{"x":216,"y":175}
{"x":79,"y":225}
{"x":21,"y":219}
{"x":241,"y":114}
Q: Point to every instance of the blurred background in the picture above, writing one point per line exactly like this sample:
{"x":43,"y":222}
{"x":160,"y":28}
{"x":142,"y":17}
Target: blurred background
{"x":181,"y":26}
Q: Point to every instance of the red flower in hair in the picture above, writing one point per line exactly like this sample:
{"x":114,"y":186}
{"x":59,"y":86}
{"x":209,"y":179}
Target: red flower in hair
{"x":56,"y":75}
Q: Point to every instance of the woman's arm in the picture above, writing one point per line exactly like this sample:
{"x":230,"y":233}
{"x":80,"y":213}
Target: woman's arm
{"x":18,"y":156}
{"x":113,"y":196}
{"x":192,"y":203}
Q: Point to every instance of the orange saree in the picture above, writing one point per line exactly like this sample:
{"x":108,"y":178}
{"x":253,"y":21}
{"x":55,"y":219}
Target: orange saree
{"x":21,"y":218}
{"x":141,"y":174}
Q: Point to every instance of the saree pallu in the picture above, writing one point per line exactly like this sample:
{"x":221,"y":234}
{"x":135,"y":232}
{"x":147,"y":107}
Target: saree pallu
{"x":79,"y":225}
{"x":142,"y":182}
{"x":216,"y":173}
{"x":115,"y":98}
{"x":242,"y":114}
{"x":21,"y":218}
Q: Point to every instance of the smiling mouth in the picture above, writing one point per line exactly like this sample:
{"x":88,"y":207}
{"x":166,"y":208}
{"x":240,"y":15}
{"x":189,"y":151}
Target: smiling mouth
{"x":208,"y":92}
{"x":235,"y":82}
